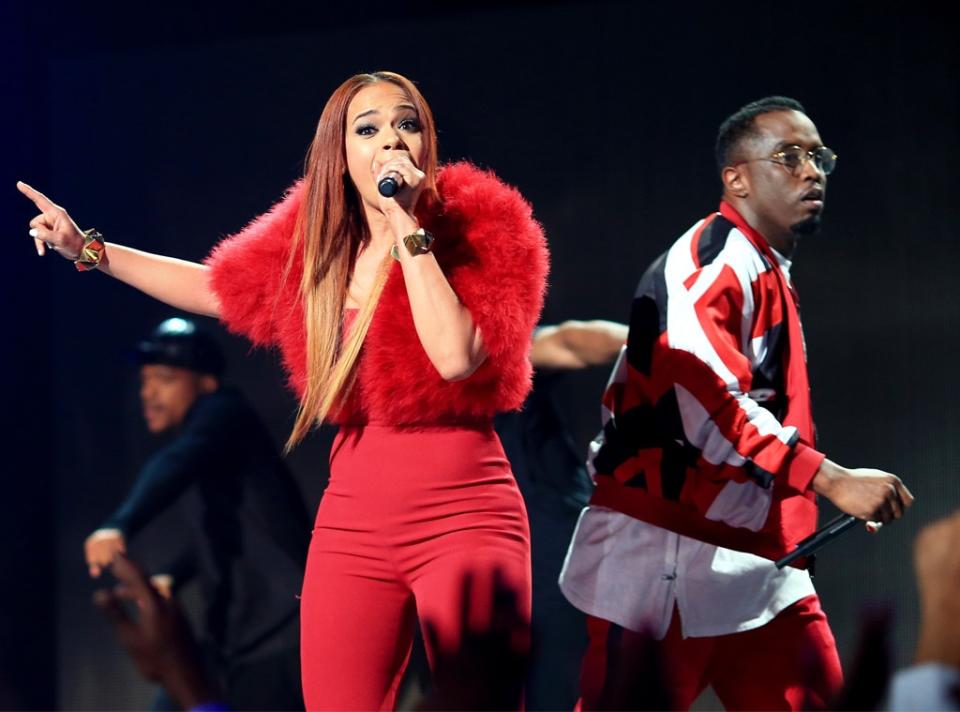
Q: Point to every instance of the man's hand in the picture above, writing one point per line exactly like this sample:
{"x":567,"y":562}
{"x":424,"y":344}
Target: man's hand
{"x":101,"y":547}
{"x":158,"y":638}
{"x":936,"y":557}
{"x":868,"y":494}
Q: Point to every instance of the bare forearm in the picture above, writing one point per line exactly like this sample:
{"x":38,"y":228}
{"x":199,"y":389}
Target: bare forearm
{"x":577,"y":344}
{"x":597,"y":342}
{"x":446,"y":330}
{"x":179,"y":283}
{"x":453,"y":343}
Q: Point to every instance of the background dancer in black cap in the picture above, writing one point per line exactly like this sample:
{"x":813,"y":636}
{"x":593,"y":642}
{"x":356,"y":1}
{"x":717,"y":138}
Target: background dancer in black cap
{"x":249,"y":527}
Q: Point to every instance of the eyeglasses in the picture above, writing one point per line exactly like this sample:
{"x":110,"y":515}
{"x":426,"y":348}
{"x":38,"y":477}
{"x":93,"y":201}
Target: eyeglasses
{"x":794,"y":157}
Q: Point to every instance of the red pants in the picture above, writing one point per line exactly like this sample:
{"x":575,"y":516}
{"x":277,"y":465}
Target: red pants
{"x":791,"y":663}
{"x":406,"y":514}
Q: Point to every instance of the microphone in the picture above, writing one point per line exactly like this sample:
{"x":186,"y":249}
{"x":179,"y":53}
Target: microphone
{"x":819,"y":538}
{"x":389,"y":185}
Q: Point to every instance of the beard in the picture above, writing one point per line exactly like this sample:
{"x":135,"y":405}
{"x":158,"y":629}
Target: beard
{"x":810,"y":226}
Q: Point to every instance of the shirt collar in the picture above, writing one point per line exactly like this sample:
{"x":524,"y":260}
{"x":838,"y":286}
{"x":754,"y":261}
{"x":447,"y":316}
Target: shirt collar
{"x":784,"y":263}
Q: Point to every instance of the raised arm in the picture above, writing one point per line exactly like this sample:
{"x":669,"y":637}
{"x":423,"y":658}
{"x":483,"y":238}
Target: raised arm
{"x":179,"y":283}
{"x":447,"y":332}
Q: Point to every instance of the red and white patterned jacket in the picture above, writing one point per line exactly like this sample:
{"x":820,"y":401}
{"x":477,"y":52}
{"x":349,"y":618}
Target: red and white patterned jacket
{"x":707,"y":424}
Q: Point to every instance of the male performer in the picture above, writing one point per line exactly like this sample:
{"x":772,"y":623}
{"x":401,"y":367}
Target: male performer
{"x":250,"y":529}
{"x":706,"y":467}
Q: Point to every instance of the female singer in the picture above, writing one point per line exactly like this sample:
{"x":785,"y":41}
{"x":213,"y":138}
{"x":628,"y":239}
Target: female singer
{"x":407,"y":321}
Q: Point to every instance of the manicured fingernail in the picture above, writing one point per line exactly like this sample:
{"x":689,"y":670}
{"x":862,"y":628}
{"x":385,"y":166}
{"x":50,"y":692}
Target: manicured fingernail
{"x":33,"y":232}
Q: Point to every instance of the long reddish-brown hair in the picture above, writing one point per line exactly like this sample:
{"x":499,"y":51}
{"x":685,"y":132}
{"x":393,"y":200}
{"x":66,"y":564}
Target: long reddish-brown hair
{"x":330,"y":231}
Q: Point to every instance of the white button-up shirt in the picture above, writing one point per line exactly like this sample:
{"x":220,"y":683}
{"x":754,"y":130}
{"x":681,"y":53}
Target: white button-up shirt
{"x":632,"y":573}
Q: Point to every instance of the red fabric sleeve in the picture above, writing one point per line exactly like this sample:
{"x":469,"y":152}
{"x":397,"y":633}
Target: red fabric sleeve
{"x":802,"y":467}
{"x":718,"y":375}
{"x":247,"y":271}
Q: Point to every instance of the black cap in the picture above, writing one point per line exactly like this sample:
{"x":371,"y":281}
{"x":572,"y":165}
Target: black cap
{"x":178,"y":342}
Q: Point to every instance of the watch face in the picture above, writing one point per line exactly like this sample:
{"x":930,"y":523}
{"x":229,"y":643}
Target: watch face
{"x":419,"y":242}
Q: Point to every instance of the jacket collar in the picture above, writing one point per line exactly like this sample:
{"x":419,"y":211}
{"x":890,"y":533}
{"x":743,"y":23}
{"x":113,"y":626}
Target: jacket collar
{"x":758,"y":240}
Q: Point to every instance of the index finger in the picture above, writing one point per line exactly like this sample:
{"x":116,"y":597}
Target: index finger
{"x":407,"y":160}
{"x":38,"y":198}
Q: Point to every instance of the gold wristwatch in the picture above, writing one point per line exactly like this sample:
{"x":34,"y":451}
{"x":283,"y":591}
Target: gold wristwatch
{"x":92,"y":251}
{"x":418,"y":242}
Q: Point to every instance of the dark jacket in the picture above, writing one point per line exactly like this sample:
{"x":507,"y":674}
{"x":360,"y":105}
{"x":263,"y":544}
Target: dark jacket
{"x":251,"y":529}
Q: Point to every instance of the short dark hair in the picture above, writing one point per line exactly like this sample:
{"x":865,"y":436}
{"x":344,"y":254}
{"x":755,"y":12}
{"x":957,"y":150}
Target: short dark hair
{"x":740,"y":124}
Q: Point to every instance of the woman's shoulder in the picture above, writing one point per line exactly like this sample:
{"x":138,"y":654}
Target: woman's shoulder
{"x":473,"y":193}
{"x":480,"y":211}
{"x":250,"y":269}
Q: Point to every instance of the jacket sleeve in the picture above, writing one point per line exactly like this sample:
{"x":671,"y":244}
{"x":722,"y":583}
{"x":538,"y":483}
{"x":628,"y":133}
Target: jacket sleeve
{"x":500,"y":273}
{"x":200,"y":449}
{"x":709,"y":327}
{"x":248,"y":271}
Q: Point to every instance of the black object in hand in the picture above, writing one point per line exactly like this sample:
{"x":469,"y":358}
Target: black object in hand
{"x":389,"y":185}
{"x":819,"y":538}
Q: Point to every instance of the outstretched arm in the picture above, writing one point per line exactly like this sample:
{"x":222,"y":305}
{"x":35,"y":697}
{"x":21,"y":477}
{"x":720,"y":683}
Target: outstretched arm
{"x":198,"y":451}
{"x":179,"y":283}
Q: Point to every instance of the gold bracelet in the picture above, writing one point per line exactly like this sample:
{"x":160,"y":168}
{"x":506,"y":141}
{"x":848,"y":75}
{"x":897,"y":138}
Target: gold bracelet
{"x":417,"y":243}
{"x":91,"y":254}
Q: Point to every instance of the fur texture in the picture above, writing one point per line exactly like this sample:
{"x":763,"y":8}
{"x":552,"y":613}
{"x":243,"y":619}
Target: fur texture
{"x":492,"y":251}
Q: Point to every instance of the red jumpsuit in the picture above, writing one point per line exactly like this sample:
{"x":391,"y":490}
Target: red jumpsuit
{"x":406,"y":514}
{"x":420,"y":491}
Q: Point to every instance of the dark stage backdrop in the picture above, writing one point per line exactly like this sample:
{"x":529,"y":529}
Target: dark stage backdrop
{"x":169,"y":130}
